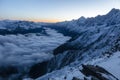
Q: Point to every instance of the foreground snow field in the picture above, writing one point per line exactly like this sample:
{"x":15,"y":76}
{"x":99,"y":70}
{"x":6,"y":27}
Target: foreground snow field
{"x":111,"y":64}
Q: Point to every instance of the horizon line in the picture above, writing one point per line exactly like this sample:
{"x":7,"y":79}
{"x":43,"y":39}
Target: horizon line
{"x":51,"y":20}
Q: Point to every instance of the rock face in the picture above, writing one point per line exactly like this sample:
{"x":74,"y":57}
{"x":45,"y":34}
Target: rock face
{"x":75,"y":78}
{"x":97,"y":73}
{"x":7,"y":71}
{"x":38,"y":70}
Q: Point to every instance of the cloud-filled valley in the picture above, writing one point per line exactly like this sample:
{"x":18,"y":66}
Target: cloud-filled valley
{"x":23,"y":50}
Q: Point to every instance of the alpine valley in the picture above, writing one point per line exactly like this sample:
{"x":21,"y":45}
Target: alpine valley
{"x":82,"y":49}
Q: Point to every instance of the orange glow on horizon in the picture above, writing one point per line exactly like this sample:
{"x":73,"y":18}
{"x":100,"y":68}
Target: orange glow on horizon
{"x":43,"y":20}
{"x":36,"y":20}
{"x":46,"y":20}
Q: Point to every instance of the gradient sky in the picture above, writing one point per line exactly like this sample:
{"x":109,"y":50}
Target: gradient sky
{"x":54,"y":10}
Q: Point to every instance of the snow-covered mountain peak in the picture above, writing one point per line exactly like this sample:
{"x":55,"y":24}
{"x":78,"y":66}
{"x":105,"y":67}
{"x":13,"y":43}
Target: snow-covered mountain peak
{"x":114,"y":11}
{"x":82,"y":19}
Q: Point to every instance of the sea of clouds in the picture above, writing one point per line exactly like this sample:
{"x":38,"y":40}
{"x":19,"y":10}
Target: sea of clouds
{"x":22,"y":50}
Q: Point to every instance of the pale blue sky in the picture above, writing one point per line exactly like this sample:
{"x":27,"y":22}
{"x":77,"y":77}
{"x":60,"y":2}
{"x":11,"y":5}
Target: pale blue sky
{"x":42,"y":10}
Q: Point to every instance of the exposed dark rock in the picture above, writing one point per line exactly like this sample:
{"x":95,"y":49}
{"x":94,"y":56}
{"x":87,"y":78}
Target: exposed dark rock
{"x":65,"y":77}
{"x":75,"y":78}
{"x":6,"y":71}
{"x":38,"y":70}
{"x":64,"y":47}
{"x":94,"y":78}
{"x":85,"y":78}
{"x":96,"y":72}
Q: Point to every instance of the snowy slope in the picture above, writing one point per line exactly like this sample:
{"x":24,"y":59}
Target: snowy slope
{"x":111,"y":64}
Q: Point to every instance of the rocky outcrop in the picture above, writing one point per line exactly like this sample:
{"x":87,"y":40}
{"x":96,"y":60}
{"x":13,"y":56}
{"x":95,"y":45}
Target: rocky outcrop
{"x":7,"y":71}
{"x":75,"y":78}
{"x":38,"y":70}
{"x":97,"y":73}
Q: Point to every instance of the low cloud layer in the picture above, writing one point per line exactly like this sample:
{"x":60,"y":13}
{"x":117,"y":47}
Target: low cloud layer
{"x":26,"y":50}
